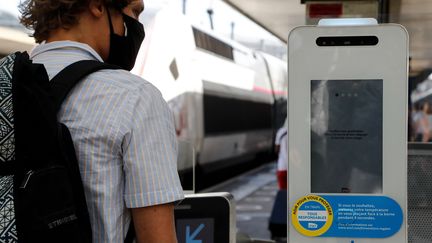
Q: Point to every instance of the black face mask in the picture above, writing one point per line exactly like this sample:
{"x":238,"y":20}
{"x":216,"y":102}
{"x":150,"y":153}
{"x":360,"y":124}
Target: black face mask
{"x":124,"y":49}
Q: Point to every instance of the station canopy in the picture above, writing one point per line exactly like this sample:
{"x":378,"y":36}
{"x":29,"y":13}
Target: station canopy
{"x":276,"y":16}
{"x":280,"y":16}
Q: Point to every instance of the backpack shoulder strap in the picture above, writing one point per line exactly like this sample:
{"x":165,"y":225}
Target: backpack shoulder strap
{"x":63,"y":83}
{"x":130,"y":236}
{"x":66,"y":79}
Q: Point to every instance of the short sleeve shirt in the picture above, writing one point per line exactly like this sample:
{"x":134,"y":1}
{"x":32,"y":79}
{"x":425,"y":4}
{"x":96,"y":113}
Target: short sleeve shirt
{"x":124,"y":137}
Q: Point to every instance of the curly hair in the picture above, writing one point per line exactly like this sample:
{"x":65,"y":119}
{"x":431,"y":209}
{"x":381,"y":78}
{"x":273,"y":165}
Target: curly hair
{"x":44,"y":16}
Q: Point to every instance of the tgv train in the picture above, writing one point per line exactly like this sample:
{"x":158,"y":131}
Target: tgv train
{"x":12,"y":40}
{"x":12,"y":35}
{"x":227,"y":100}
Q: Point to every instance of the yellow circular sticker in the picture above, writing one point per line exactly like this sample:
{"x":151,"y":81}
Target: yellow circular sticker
{"x":312,"y":215}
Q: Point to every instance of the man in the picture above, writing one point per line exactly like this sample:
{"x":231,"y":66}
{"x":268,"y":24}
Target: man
{"x":122,"y":128}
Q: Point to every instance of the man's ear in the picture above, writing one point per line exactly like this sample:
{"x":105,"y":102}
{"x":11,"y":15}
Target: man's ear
{"x":97,"y":8}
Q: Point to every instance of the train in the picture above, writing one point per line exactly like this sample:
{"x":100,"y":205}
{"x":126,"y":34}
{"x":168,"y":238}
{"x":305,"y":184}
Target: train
{"x":12,"y":40}
{"x":13,"y":36}
{"x":227,"y":100}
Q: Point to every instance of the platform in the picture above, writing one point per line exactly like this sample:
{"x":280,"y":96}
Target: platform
{"x":254,"y":192}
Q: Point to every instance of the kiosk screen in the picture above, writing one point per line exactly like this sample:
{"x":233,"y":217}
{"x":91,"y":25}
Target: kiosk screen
{"x":346,"y":136}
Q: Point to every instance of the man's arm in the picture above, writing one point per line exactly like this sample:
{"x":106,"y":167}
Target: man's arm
{"x":154,"y":224}
{"x":149,"y":153}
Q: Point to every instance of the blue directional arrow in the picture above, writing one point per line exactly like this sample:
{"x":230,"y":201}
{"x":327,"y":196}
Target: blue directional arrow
{"x":190,"y":238}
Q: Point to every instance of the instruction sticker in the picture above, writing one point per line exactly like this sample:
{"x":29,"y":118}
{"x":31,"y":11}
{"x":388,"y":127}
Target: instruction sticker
{"x":312,"y":215}
{"x":347,"y":216}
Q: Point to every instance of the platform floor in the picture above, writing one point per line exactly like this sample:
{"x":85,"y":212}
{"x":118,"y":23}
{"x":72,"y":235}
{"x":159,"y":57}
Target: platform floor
{"x":254,"y":192}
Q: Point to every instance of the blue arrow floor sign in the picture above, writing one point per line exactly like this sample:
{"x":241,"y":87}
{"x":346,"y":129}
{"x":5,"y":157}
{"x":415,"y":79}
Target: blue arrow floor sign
{"x":190,"y":238}
{"x":196,"y":230}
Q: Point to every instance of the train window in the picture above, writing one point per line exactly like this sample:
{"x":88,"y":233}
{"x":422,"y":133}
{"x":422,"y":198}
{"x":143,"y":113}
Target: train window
{"x":212,"y":44}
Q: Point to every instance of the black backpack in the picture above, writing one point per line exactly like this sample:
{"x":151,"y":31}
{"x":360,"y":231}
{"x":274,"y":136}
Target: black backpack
{"x":41,"y":193}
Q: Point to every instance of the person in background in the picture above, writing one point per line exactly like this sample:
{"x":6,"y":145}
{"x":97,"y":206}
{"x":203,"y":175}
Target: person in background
{"x":421,"y":123}
{"x":278,"y":220}
{"x":281,"y":148}
{"x":412,"y":110}
{"x":123,"y":130}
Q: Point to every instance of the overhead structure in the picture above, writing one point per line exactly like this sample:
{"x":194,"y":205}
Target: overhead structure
{"x":279,"y":17}
{"x":276,"y":16}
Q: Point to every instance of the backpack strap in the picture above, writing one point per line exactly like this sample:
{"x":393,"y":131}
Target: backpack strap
{"x":66,"y":79}
{"x":130,"y":236}
{"x":8,"y":168}
{"x":63,"y":83}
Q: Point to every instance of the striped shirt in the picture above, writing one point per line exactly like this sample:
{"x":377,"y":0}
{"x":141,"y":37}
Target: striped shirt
{"x":124,"y":138}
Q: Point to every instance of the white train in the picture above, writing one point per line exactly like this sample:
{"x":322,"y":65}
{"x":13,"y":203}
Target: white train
{"x":224,"y":96}
{"x":12,"y":35}
{"x":12,"y":40}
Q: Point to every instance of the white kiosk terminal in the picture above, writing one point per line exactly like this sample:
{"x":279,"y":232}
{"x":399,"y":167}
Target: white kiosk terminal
{"x":347,"y":98}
